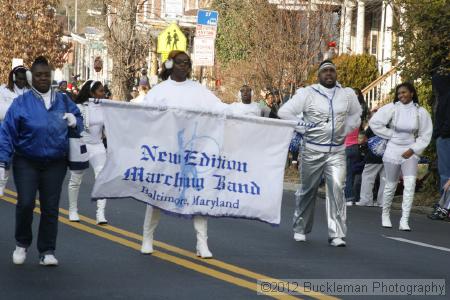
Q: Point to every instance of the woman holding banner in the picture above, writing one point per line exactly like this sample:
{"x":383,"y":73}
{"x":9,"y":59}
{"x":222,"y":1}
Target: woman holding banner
{"x":178,"y":91}
{"x":92,"y":136}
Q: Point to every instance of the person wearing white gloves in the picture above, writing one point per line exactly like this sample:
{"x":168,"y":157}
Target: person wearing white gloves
{"x":178,"y":91}
{"x":408,"y":129}
{"x":17,"y":85}
{"x":330,"y":112}
{"x":92,"y":136}
{"x":34,"y":135}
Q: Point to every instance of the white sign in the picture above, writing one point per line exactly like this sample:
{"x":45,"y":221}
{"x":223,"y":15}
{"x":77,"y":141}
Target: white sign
{"x":173,"y":8}
{"x":195,"y":163}
{"x":206,"y":31}
{"x":203,"y":51}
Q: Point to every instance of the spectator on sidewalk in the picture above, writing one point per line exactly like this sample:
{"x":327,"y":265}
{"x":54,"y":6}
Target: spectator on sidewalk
{"x":442,"y":209}
{"x":266,"y":104}
{"x":352,"y":158}
{"x":372,"y":169}
{"x":441,"y":86}
{"x":142,"y":90}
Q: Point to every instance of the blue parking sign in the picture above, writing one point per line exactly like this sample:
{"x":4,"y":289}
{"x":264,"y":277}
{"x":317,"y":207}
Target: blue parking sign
{"x":207,"y":17}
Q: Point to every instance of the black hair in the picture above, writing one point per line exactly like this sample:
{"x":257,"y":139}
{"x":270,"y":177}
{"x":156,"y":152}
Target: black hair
{"x":410,"y":87}
{"x":14,"y":72}
{"x":165,"y":73}
{"x":86,"y":90}
{"x":40,"y":60}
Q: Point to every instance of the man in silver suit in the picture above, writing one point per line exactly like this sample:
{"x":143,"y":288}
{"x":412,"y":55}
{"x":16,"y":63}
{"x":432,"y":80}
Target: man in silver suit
{"x":330,"y":112}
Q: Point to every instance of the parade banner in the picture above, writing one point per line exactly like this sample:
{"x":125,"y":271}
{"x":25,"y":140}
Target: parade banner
{"x":195,"y":163}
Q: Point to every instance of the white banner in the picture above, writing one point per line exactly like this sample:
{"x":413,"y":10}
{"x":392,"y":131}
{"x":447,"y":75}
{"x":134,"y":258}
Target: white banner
{"x":195,"y":163}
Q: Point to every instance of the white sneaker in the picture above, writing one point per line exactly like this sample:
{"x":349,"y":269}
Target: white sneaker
{"x":19,"y":255}
{"x":337,"y":242}
{"x":298,"y":237}
{"x":48,"y":260}
{"x":349,"y":203}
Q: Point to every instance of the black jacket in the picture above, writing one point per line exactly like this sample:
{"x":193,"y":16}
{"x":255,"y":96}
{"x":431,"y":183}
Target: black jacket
{"x":441,"y":87}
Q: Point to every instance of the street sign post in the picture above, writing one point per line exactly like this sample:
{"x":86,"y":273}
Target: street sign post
{"x":207,"y":17}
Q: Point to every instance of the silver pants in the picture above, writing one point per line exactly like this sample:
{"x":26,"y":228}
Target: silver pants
{"x":314,"y":164}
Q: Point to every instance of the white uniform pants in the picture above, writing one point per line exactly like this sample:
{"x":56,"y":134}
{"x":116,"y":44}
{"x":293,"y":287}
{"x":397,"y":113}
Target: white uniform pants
{"x":369,"y":176}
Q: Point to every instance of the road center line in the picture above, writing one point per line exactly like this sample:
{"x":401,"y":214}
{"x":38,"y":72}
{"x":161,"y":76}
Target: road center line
{"x":214,"y":262}
{"x":170,"y":258}
{"x":417,"y":243}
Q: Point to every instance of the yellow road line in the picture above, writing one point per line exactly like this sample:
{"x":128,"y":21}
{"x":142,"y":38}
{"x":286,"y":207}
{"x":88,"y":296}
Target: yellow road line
{"x":183,"y":252}
{"x":164,"y":256}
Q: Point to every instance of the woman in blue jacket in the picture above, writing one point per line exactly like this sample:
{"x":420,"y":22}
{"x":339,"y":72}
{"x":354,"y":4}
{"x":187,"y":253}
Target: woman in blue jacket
{"x":34,"y":135}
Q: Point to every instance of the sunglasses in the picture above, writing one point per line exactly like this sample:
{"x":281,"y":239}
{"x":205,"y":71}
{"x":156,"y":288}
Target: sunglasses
{"x":182,"y":61}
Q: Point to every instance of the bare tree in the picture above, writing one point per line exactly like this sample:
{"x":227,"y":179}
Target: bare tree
{"x":127,"y":46}
{"x":281,"y":41}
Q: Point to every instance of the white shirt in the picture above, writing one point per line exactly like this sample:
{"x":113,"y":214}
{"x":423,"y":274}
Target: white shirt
{"x":93,"y":122}
{"x":404,"y":121}
{"x":6,"y":98}
{"x":47,"y":96}
{"x":187,"y":94}
{"x":251,"y":109}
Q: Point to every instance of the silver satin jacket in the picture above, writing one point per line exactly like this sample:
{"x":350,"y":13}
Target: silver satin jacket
{"x":326,"y":121}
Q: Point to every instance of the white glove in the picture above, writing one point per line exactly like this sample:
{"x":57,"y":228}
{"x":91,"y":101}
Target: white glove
{"x":71,"y":120}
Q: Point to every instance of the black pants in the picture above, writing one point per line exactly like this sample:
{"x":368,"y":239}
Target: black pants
{"x":47,"y":178}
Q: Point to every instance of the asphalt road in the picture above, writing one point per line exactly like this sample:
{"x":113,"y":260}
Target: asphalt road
{"x":104,"y":262}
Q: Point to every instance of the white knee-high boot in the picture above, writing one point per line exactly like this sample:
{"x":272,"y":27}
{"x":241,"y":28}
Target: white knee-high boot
{"x":73,"y":189}
{"x":151,"y":221}
{"x":409,"y":183}
{"x":3,"y":182}
{"x":389,"y":193}
{"x":201,"y":228}
{"x":101,"y":220}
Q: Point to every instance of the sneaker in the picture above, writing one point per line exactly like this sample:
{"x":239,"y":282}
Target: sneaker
{"x":438,"y":214}
{"x":48,"y":260}
{"x":298,"y":237}
{"x":19,"y":255}
{"x":337,"y":242}
{"x":349,"y":203}
{"x":360,"y":203}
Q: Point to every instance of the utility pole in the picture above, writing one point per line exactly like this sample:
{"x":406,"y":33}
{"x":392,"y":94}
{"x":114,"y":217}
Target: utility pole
{"x":75,"y":27}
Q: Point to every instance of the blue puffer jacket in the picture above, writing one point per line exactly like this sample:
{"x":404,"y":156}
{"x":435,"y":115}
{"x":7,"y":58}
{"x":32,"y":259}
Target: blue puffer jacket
{"x":30,"y":130}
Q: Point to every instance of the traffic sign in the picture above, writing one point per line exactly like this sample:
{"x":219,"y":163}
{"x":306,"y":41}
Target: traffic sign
{"x":171,"y":38}
{"x":207,"y":17}
{"x":206,"y":31}
{"x":203,"y":51}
